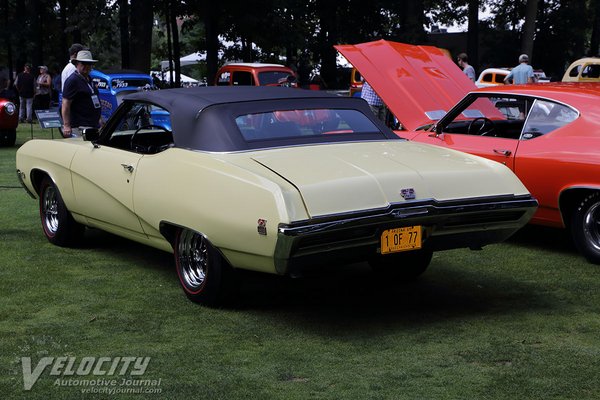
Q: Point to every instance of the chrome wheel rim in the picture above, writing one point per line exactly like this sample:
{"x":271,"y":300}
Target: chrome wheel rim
{"x":193,"y":259}
{"x":591,"y":226}
{"x":50,"y":210}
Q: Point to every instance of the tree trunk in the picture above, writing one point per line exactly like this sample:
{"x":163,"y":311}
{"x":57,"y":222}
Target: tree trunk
{"x":211,"y":28}
{"x":528,"y":33}
{"x":7,"y":38}
{"x":595,"y":39}
{"x":411,"y":24}
{"x":176,"y":47}
{"x":124,"y":31}
{"x":141,"y":35}
{"x":327,"y":12}
{"x":473,"y":34}
{"x":62,"y":4}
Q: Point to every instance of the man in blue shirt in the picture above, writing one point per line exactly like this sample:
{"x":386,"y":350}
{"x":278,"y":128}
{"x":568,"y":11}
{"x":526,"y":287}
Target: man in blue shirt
{"x":521,"y":74}
{"x":80,"y":104}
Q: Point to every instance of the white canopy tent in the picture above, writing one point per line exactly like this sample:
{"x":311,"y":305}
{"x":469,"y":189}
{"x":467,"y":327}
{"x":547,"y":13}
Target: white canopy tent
{"x":166,"y":77}
{"x":190,"y":59}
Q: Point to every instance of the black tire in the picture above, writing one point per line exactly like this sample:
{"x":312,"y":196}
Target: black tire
{"x":8,"y":137}
{"x":204,"y":274}
{"x":57,"y":222}
{"x":405,"y":265}
{"x":585,"y":227}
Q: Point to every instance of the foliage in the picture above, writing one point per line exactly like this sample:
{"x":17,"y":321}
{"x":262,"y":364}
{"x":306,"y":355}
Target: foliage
{"x":40,"y":31}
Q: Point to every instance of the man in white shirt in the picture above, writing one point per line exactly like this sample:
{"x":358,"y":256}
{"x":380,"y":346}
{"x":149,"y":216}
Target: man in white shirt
{"x":70,"y":67}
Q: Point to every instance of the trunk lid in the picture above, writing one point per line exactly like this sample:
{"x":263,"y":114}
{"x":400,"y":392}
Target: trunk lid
{"x":350,"y":177}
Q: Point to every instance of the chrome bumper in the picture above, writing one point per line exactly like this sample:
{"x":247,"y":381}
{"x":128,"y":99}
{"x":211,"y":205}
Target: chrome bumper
{"x":471,"y":223}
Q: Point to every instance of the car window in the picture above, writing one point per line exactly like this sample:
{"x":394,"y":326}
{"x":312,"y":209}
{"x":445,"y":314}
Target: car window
{"x":546,"y":116}
{"x":487,"y":78}
{"x":224,"y":78}
{"x":142,"y":128}
{"x":491,"y":116}
{"x":304,"y":123}
{"x":574,"y":72}
{"x":591,"y":71}
{"x":242,"y":78}
{"x":273,"y":77}
{"x":135,"y":83}
{"x":102,"y":83}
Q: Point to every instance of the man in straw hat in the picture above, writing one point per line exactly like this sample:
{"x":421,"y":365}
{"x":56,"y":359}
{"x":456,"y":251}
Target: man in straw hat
{"x":80,"y":104}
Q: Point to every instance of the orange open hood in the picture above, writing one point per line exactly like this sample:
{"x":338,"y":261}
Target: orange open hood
{"x":415,"y":82}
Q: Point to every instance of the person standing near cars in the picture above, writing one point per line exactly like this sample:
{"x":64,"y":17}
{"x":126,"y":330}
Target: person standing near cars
{"x":43,"y":87}
{"x":80,"y":101}
{"x":521,"y":74}
{"x":372,"y":98}
{"x":468,"y":70}
{"x":70,"y":68}
{"x":25,"y":84}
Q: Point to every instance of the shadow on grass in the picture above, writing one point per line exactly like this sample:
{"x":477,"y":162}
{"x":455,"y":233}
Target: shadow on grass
{"x":544,"y":238}
{"x":346,"y":296}
{"x":126,"y":249}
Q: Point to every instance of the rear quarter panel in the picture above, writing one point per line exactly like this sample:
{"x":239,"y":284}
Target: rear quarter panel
{"x":219,"y":196}
{"x":559,"y":161}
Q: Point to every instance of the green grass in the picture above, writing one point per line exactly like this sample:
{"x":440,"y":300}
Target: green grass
{"x":517,"y":320}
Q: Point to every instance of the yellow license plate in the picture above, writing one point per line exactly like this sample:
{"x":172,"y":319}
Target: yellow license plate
{"x":401,"y":239}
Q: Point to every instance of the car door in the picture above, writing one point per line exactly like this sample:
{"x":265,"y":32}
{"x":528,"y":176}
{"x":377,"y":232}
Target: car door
{"x":502,"y":150}
{"x":488,"y":125}
{"x":104,"y":173}
{"x":103,"y":181}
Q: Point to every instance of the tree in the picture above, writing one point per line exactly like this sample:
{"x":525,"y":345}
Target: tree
{"x":140,"y":35}
{"x":529,"y":27}
{"x":124,"y":31}
{"x":473,"y":34}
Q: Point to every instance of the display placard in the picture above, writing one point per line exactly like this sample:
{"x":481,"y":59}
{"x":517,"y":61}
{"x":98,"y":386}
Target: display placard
{"x":48,"y":118}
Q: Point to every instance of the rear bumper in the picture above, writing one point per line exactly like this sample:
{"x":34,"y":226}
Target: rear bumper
{"x":471,"y":223}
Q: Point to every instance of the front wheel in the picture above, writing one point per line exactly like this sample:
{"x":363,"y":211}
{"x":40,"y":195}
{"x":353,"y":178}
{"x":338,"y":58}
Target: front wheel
{"x":405,"y":265}
{"x":585,"y":227}
{"x":57,"y":222}
{"x":204,"y":274}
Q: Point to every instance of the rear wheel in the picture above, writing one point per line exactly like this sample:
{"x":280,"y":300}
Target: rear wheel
{"x":57,"y":222}
{"x":204,"y":274}
{"x":585,"y":227}
{"x":8,"y":137}
{"x":405,"y":265}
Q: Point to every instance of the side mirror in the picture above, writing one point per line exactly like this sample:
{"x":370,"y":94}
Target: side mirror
{"x":439,"y":132}
{"x":90,"y":134}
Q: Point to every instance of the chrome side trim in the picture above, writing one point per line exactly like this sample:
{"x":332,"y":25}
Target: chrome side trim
{"x":21,"y":177}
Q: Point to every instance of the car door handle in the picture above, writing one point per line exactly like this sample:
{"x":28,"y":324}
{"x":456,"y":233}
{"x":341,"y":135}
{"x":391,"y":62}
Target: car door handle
{"x":127,"y":167}
{"x":503,"y":152}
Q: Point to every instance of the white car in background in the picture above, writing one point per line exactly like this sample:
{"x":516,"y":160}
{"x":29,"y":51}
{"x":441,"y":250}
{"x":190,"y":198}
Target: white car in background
{"x":495,"y":76}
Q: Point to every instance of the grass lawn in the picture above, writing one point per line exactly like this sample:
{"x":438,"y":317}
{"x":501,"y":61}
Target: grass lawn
{"x":517,"y":320}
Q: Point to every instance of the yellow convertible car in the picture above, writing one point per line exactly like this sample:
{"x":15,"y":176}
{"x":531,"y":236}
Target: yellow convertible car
{"x":267,"y":179}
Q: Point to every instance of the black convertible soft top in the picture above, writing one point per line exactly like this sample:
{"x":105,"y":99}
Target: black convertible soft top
{"x":203,"y":118}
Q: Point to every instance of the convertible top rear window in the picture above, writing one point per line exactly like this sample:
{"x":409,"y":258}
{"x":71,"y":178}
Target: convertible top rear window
{"x":304,"y":123}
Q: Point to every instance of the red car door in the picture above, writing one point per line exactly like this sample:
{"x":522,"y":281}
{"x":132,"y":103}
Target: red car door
{"x":501,"y":150}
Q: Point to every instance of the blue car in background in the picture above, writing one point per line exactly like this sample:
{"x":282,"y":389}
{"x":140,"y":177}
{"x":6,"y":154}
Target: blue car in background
{"x":114,"y":85}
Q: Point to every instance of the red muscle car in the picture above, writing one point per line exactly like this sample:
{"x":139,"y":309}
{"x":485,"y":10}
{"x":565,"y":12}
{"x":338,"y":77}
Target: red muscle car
{"x":548,"y":134}
{"x":8,"y":123}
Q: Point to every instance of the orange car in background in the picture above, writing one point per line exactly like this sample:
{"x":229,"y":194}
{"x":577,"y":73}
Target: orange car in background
{"x":356,"y":82}
{"x":255,"y":74}
{"x":549,"y":134}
